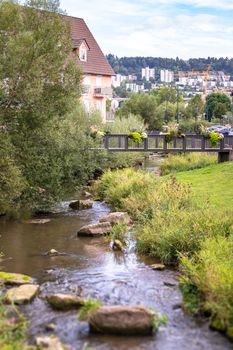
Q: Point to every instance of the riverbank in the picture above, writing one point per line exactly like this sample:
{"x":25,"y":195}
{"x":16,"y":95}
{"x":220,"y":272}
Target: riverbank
{"x":89,"y":267}
{"x":176,"y":222}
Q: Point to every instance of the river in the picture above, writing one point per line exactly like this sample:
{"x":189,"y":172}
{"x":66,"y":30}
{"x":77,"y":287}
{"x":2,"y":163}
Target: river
{"x":90,"y":267}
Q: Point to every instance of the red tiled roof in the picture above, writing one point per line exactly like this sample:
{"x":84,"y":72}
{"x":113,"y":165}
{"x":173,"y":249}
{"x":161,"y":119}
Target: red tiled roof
{"x":96,"y":61}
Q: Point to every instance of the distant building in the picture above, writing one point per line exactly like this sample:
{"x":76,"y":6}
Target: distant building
{"x":134,"y":87}
{"x":166,"y":76}
{"x":148,"y":73}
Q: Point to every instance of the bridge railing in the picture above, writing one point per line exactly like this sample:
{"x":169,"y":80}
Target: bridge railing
{"x":158,"y":143}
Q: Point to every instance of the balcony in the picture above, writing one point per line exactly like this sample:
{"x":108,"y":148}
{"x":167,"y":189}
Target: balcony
{"x":103,"y":91}
{"x":85,"y":89}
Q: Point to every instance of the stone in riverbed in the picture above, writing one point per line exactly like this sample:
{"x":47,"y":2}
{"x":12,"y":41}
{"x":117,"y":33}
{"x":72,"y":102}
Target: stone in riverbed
{"x":50,"y":343}
{"x":116,"y":218}
{"x":120,"y":319}
{"x":93,"y":230}
{"x":158,"y":267}
{"x":37,"y":221}
{"x":22,"y":294}
{"x":81,"y":204}
{"x":65,"y":301}
{"x":15,"y":278}
{"x":53,"y":252}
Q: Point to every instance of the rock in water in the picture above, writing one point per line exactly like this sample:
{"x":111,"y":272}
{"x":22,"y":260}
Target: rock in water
{"x":158,"y":267}
{"x":50,"y":343}
{"x":120,"y":319}
{"x":22,"y":294}
{"x":65,"y":301}
{"x":52,"y":252}
{"x":116,"y":218}
{"x":15,"y":278}
{"x":100,"y":229}
{"x":37,"y":221}
{"x":81,"y":204}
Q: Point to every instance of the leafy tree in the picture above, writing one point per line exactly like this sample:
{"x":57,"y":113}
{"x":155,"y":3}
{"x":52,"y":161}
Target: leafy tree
{"x":145,"y":106}
{"x":220,"y":110}
{"x":195,"y":107}
{"x":213,"y":100}
{"x":38,"y":81}
{"x":166,"y":93}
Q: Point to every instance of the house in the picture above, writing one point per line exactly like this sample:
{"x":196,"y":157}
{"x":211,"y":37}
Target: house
{"x":97,"y":72}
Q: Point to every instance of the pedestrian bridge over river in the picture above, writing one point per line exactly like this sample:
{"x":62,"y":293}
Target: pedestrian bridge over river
{"x":157,"y":143}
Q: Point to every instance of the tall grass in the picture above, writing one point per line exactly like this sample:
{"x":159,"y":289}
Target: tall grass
{"x":189,"y":161}
{"x":207,"y":284}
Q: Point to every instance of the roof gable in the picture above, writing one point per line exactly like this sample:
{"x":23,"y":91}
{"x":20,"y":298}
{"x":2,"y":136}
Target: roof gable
{"x":96,"y":62}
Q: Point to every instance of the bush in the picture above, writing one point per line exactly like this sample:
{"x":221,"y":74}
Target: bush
{"x":207,"y":284}
{"x":173,"y":232}
{"x":184,"y":162}
{"x":115,"y":186}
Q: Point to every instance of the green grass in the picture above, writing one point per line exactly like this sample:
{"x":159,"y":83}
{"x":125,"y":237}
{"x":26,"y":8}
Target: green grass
{"x":183,"y":162}
{"x":214,"y":182}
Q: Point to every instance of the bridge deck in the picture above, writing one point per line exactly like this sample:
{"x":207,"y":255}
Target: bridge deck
{"x":157,"y":143}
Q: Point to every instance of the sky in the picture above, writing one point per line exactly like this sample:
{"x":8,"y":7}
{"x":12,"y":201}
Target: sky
{"x":158,"y":28}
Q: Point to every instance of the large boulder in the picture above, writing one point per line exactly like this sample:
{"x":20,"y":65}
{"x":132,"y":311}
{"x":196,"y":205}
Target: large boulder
{"x":81,"y":204}
{"x":119,"y":319}
{"x":99,"y":229}
{"x":22,"y":294}
{"x":116,"y":218}
{"x":15,"y":278}
{"x":65,"y":301}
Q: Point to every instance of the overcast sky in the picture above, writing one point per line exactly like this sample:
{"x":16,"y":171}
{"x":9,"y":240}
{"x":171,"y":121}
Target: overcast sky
{"x":166,"y":28}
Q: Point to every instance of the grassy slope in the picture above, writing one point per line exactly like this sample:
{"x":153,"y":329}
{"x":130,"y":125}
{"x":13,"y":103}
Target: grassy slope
{"x":215,"y":182}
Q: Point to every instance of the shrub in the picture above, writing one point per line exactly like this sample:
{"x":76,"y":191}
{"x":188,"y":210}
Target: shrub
{"x":118,"y":185}
{"x":184,"y":162}
{"x":207,"y":284}
{"x":172,"y":232}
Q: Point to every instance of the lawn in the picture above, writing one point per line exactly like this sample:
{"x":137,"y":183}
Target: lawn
{"x":214,"y":182}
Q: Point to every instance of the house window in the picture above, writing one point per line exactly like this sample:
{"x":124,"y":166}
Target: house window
{"x":83,"y":54}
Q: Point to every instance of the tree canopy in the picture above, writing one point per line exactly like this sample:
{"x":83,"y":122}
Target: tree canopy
{"x":217,"y":104}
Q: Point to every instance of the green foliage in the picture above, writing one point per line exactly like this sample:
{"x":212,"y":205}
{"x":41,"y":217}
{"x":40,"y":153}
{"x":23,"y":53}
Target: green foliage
{"x":118,"y":232}
{"x":214,"y":138}
{"x":193,"y":125}
{"x":170,"y":220}
{"x":195,"y":107}
{"x":89,"y":306}
{"x":145,"y":106}
{"x":118,"y":185}
{"x":208,"y":279}
{"x":157,"y":320}
{"x":189,"y":161}
{"x":13,"y":330}
{"x":133,"y":65}
{"x":11,"y":180}
{"x":135,"y":136}
{"x":216,"y":104}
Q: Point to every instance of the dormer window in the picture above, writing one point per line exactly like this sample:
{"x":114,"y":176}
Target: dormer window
{"x":83,"y":54}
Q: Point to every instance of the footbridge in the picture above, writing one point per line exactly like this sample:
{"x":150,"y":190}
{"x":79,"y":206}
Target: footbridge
{"x":158,"y":143}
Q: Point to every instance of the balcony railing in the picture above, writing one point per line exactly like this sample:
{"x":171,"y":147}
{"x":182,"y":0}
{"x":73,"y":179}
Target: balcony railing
{"x":103,"y":91}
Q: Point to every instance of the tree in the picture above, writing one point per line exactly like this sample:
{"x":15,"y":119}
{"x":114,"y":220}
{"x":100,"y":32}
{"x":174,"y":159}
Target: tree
{"x":144,"y":105}
{"x":213,"y":100}
{"x":220,"y":110}
{"x":39,"y":77}
{"x":195,"y":107}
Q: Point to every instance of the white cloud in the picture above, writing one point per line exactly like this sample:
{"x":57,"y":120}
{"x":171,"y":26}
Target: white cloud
{"x":144,"y":28}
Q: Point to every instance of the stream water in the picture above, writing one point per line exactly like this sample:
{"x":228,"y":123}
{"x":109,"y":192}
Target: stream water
{"x":91,"y":269}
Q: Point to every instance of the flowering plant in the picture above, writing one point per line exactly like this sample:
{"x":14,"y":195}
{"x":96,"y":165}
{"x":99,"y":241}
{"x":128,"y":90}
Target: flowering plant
{"x":170,"y":131}
{"x":212,"y":136}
